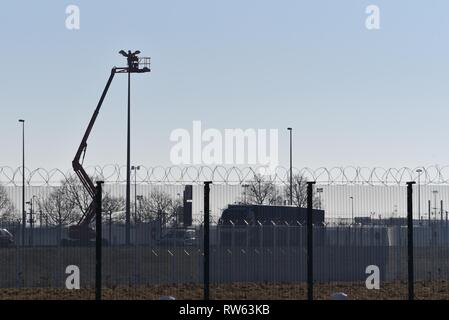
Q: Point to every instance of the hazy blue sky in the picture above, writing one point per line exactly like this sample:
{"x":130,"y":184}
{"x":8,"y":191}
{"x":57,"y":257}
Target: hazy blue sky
{"x":353,"y":96}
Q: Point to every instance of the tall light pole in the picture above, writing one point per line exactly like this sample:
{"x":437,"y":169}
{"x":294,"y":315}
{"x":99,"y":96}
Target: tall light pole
{"x":178,"y":208}
{"x":135,"y":168}
{"x":128,"y":163}
{"x":31,"y":204}
{"x":24,"y":215}
{"x":291,"y":168}
{"x":319,"y":191}
{"x":419,"y":171}
{"x":245,"y":190}
{"x":140,"y":198}
{"x":435,"y":192}
{"x":133,"y":67}
{"x":352,"y":209}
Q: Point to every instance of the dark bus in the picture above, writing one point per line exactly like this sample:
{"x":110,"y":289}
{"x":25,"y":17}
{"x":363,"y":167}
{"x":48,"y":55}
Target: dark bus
{"x":262,"y":225}
{"x":253,"y":214}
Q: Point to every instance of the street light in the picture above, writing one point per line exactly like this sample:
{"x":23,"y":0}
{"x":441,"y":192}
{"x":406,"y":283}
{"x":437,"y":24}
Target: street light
{"x":419,"y":171}
{"x":31,"y":204}
{"x":245,"y":188}
{"x":133,"y":67}
{"x":291,"y":168}
{"x":178,"y":208}
{"x":140,"y":198}
{"x":24,"y":217}
{"x":435,"y":192}
{"x":33,"y":201}
{"x":319,"y":191}
{"x":135,"y":168}
{"x":352,"y":209}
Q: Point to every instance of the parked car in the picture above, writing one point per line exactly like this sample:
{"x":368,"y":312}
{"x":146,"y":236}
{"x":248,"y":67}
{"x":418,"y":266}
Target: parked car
{"x":6,"y":238}
{"x":178,"y":237}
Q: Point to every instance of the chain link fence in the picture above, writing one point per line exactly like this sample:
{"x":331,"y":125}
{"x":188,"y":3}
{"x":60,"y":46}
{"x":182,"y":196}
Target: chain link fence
{"x":257,"y":240}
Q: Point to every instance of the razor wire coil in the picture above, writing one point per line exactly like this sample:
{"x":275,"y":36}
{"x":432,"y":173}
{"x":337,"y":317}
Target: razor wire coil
{"x":115,"y":173}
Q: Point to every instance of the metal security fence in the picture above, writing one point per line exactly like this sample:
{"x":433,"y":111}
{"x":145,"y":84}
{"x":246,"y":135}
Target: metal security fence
{"x":260,"y":245}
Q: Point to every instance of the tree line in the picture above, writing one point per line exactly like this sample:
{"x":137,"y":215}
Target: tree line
{"x":263,"y":191}
{"x":66,"y":204}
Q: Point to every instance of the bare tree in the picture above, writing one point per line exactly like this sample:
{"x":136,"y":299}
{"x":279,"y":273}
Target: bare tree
{"x":159,"y":206}
{"x":113,"y":207}
{"x":265,"y":192}
{"x":7,"y":210}
{"x":77,"y":194}
{"x":67,"y":203}
{"x":261,"y":191}
{"x":299,"y":188}
{"x":59,"y":209}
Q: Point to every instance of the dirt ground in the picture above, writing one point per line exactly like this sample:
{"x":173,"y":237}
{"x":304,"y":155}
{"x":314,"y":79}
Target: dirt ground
{"x":237,"y":291}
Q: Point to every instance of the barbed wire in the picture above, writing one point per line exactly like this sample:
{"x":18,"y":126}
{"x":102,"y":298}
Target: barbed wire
{"x":115,"y":173}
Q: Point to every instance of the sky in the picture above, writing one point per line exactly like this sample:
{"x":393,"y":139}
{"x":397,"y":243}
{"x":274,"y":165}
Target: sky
{"x":354,"y":97}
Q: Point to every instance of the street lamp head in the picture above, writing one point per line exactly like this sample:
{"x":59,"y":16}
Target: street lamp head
{"x":419,"y":170}
{"x":290,"y":129}
{"x":129,"y":53}
{"x":21,"y":120}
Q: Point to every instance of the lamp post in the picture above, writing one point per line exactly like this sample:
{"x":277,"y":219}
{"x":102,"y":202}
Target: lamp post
{"x":128,"y":164}
{"x":35,"y":199}
{"x":135,"y":168}
{"x":319,"y":191}
{"x":419,"y":171}
{"x":291,"y":168}
{"x":435,"y":192}
{"x":245,"y":190}
{"x":133,"y":67}
{"x":24,"y":217}
{"x":30,"y":203}
{"x":178,"y":207}
{"x":140,"y":198}
{"x":352,"y":209}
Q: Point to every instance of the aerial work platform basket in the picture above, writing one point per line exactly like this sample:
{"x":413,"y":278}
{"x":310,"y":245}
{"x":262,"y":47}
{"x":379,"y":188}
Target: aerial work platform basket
{"x":144,"y":63}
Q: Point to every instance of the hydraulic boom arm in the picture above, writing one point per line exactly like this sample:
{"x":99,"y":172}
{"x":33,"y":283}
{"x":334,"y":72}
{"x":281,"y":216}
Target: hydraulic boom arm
{"x":80,"y":231}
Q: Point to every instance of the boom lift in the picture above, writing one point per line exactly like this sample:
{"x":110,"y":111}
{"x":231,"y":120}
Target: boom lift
{"x":82,"y":233}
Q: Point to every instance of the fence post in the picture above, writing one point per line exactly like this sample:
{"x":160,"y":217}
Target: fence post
{"x":98,"y":241}
{"x":206,"y":239}
{"x":410,"y":239}
{"x":310,"y":240}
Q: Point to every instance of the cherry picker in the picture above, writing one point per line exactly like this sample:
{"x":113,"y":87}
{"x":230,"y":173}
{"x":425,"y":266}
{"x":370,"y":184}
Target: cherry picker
{"x":82,"y":233}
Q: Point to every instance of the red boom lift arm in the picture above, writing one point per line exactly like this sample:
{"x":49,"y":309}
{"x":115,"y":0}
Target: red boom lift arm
{"x":81,"y":231}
